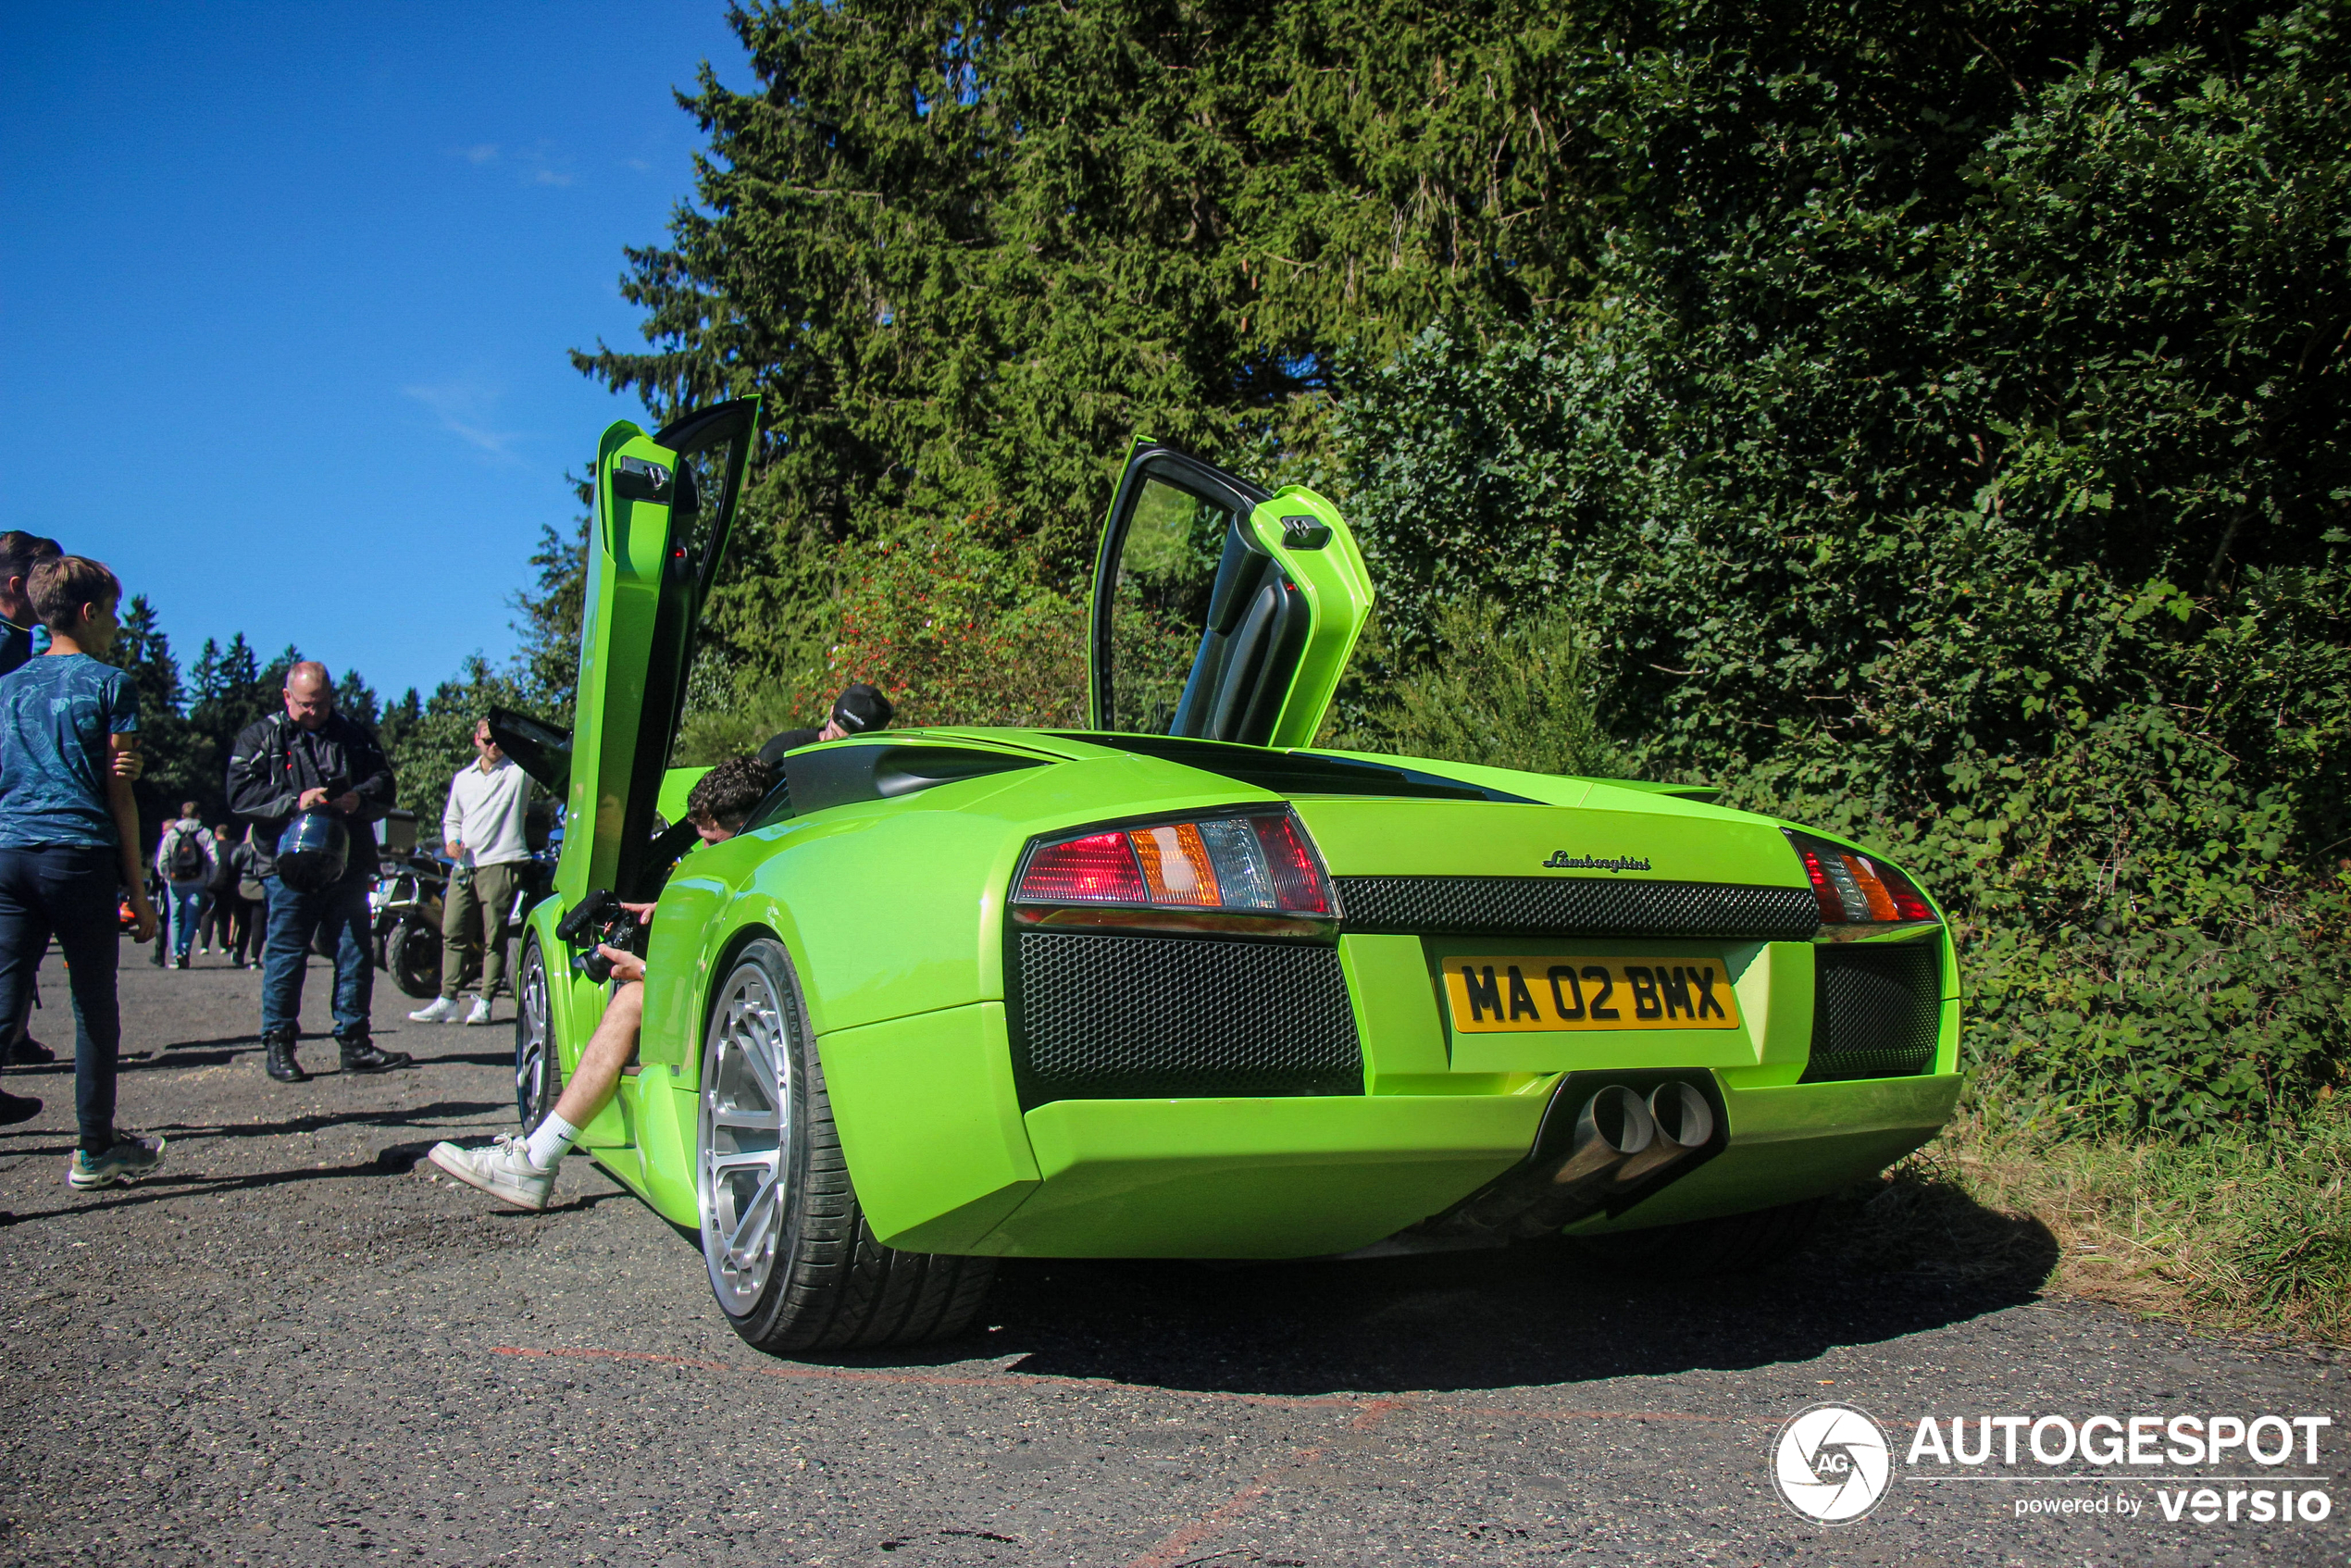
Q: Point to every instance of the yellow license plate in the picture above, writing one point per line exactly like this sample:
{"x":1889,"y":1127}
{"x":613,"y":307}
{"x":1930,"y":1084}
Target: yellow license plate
{"x":1569,"y":993}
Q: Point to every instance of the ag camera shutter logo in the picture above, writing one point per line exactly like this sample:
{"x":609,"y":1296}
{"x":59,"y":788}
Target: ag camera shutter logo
{"x":1832,"y":1464}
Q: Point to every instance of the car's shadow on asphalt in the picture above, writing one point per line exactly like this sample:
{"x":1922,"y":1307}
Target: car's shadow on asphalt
{"x":1534,"y":1314}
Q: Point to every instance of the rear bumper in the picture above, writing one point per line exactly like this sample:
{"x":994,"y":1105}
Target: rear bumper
{"x":1302,"y":1176}
{"x":1799,"y":1141}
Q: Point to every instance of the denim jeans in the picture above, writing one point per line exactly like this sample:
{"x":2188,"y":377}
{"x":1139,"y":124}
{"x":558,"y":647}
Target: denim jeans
{"x":294,"y":918}
{"x":187,"y":908}
{"x":67,"y":891}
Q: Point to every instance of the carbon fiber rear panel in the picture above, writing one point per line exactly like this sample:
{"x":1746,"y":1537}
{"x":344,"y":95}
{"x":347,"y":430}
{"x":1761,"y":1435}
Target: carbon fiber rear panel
{"x":1576,"y":906}
{"x":1876,"y":1009}
{"x":1147,"y":1017}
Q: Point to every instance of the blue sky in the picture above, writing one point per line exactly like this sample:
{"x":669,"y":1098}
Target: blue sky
{"x":285,"y":293}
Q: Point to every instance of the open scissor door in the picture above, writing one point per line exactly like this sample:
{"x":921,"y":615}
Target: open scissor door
{"x":1220,"y":612}
{"x":665,"y":504}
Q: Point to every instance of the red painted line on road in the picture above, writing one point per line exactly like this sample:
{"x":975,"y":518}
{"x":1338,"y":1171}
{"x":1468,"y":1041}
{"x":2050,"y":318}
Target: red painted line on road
{"x":1377,"y":1411}
{"x":1171,"y":1548}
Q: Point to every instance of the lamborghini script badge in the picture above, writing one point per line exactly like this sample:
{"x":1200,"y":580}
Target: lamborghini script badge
{"x":1563,"y":860}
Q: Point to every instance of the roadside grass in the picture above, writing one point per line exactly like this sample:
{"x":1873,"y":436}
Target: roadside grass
{"x":2245,"y":1232}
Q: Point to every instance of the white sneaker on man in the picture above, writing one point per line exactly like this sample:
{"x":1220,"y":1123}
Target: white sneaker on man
{"x":503,"y":1170}
{"x":439,"y":1009}
{"x":481,"y":1013}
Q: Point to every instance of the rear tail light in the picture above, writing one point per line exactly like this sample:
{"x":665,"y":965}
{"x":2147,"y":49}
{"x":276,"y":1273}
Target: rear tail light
{"x":1257,"y":865}
{"x":1853,"y":889}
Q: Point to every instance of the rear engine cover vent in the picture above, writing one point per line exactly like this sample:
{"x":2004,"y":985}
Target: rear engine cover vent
{"x":1876,"y":1009}
{"x":1576,"y":906}
{"x":1156,"y":1018}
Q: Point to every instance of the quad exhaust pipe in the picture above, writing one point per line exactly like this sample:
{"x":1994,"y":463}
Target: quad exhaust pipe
{"x":1621,"y":1139}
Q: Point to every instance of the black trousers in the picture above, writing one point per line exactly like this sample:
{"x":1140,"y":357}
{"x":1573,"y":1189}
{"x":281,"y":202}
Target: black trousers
{"x":227,"y":924}
{"x":67,"y":891}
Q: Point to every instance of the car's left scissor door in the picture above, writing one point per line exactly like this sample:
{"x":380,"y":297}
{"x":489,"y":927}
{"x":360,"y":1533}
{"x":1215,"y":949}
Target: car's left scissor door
{"x":665,"y":504}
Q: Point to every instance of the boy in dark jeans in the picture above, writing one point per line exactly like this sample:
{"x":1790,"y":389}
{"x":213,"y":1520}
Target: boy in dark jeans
{"x":68,"y":839}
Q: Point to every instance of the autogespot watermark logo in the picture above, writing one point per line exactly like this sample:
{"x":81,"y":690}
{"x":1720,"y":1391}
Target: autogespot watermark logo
{"x":1833,"y":1464}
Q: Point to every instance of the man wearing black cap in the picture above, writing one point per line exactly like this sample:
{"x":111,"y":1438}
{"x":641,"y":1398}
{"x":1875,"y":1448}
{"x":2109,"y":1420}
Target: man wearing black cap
{"x":855,"y":711}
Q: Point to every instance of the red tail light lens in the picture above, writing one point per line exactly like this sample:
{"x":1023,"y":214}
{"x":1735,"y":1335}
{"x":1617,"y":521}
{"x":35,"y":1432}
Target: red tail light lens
{"x":1298,"y":877}
{"x":1853,"y":889}
{"x":1257,"y":864}
{"x":1099,"y":869}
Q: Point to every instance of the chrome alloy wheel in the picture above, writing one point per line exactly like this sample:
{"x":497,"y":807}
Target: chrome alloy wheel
{"x":534,"y":1049}
{"x":746,"y":1137}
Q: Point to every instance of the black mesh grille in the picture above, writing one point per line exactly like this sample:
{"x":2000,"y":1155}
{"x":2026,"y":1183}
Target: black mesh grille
{"x":1876,"y":1009}
{"x":1149,"y":1017}
{"x":1576,"y":906}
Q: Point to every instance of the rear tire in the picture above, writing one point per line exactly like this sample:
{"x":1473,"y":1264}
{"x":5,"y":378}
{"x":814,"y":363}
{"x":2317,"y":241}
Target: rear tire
{"x":539,"y":1067}
{"x":792,"y":1263}
{"x":412,"y":957}
{"x":1726,"y":1244}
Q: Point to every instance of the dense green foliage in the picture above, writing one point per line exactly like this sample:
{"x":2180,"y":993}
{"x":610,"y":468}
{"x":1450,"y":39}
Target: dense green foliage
{"x":1983,"y":495}
{"x":1920,"y":419}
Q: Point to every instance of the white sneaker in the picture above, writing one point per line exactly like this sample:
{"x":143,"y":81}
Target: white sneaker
{"x":481,"y":1013}
{"x":439,"y":1009}
{"x":503,"y":1170}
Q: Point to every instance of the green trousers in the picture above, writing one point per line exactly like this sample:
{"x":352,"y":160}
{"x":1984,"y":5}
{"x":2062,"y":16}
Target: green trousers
{"x":474,"y":909}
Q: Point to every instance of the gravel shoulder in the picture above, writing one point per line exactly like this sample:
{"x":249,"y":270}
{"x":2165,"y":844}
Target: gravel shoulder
{"x":296,"y":1346}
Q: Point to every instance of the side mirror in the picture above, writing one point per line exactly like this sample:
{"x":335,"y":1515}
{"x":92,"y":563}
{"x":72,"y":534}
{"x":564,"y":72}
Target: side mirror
{"x":539,"y":748}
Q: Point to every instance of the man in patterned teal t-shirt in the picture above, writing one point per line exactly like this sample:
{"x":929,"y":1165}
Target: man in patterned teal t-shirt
{"x":69,"y":839}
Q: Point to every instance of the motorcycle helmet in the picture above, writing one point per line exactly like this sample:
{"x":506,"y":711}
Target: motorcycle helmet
{"x":313,"y":851}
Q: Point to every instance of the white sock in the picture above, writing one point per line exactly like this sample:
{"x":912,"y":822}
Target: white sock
{"x":550,"y":1141}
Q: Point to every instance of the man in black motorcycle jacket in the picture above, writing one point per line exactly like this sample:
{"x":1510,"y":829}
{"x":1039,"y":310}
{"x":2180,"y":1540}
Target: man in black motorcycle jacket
{"x":307,"y":758}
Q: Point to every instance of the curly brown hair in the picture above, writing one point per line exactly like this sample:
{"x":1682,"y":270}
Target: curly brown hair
{"x":731,"y":791}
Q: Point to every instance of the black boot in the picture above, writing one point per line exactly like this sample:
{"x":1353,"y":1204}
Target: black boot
{"x":281,"y":1064}
{"x":360,"y":1055}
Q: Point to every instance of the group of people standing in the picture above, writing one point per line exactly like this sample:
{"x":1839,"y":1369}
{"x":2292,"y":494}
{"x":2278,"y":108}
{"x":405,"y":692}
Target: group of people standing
{"x":310,"y":783}
{"x":210,"y":883}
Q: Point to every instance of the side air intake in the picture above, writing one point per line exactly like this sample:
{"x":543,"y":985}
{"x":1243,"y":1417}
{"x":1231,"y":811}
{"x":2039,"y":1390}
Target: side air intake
{"x":1877,"y":1009}
{"x":1112,"y":1017}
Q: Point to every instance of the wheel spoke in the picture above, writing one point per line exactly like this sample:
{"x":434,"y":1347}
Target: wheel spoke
{"x":761,"y":1207}
{"x":745,"y":1159}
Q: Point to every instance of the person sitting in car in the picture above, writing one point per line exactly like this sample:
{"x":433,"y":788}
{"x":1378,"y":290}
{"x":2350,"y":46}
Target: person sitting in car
{"x":858,"y":709}
{"x":520,"y":1169}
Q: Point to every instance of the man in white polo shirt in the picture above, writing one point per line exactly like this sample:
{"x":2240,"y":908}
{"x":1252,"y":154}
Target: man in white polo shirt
{"x":482,"y":831}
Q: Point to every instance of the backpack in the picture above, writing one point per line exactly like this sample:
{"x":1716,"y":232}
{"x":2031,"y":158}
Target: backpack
{"x":223,"y":881}
{"x":187,"y":861}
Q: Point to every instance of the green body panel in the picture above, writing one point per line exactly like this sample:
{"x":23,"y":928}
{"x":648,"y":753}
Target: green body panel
{"x":676,"y":785}
{"x":926,"y":1109}
{"x":893,"y":913}
{"x":1681,"y":840}
{"x":1254,"y":1178}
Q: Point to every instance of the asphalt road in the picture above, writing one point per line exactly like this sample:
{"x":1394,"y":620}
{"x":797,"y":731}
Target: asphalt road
{"x":296,"y":1348}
